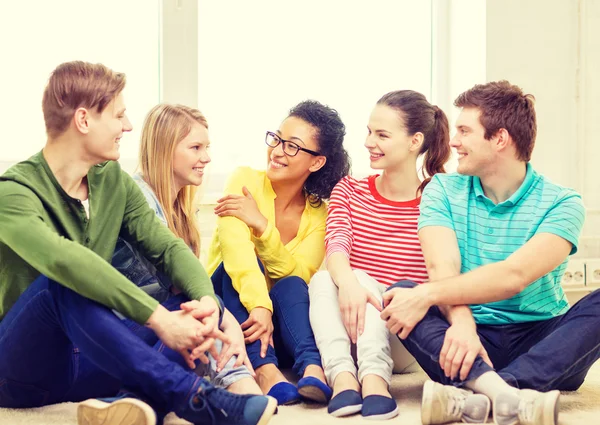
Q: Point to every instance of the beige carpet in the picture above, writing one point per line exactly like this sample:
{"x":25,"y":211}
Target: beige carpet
{"x":577,"y":408}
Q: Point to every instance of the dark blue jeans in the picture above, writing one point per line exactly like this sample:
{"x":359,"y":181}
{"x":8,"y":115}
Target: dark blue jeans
{"x":543,"y":355}
{"x":293,"y":338}
{"x":57,"y":346}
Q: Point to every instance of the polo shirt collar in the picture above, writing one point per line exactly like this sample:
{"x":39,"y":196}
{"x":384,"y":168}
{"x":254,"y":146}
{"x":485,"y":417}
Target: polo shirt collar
{"x":515,"y":197}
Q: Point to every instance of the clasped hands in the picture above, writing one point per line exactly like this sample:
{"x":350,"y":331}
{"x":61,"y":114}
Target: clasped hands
{"x":192,"y":332}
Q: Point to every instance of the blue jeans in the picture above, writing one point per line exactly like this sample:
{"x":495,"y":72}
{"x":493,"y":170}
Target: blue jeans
{"x":223,"y":379}
{"x":543,"y":355}
{"x":293,"y":337}
{"x":58,"y":346}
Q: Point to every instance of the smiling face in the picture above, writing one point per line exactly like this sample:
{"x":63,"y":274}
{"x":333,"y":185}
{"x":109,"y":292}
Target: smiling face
{"x":105,"y":131}
{"x":282,"y":167}
{"x":190,"y":157}
{"x":388,"y":143}
{"x":475,"y":153}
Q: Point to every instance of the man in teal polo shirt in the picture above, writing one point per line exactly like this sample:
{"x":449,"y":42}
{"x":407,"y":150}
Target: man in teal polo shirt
{"x":496,"y":237}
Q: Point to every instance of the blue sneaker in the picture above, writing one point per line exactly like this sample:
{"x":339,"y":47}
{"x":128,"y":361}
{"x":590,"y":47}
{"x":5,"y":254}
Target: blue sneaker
{"x":216,"y":406}
{"x":314,"y":389}
{"x":285,"y":393}
{"x":345,"y":403}
{"x":115,"y":411}
{"x":379,"y":407}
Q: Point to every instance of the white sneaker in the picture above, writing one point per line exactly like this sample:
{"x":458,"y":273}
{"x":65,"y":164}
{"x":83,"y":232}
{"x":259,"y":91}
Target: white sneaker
{"x":444,"y":403}
{"x":124,"y":411}
{"x":526,"y":407}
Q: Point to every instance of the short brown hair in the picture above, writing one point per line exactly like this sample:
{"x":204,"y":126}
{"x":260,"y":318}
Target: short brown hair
{"x":503,"y":105}
{"x":77,"y":84}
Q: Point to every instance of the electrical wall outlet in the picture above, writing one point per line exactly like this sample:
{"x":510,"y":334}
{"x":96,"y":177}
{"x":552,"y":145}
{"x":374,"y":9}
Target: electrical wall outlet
{"x":592,"y":268}
{"x":574,"y":276}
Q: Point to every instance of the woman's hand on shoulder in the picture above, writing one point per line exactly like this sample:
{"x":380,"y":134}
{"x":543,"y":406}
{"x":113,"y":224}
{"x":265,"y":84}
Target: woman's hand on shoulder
{"x":243,"y":207}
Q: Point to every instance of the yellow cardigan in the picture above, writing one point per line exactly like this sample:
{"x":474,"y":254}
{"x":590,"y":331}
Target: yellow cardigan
{"x":235,"y":245}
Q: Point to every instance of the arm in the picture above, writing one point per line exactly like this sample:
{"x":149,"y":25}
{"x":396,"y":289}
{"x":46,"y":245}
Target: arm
{"x":439,"y":244}
{"x":237,"y":250}
{"x":65,"y":261}
{"x":157,"y":243}
{"x":555,"y":239}
{"x":279,"y":262}
{"x":462,"y":344}
{"x":353,"y":298}
{"x":442,"y":259}
{"x":504,"y":279}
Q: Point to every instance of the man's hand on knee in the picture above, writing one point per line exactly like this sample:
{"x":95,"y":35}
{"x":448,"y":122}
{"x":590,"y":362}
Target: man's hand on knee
{"x":405,"y":308}
{"x":461,"y":347}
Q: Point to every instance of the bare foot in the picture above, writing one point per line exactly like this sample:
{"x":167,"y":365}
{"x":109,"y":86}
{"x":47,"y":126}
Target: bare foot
{"x":345,"y":381}
{"x":375,"y":385}
{"x":245,"y":386}
{"x":268,"y":375}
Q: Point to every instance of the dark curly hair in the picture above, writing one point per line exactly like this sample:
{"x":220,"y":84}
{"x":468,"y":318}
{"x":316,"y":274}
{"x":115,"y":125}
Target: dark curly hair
{"x":330,"y":137}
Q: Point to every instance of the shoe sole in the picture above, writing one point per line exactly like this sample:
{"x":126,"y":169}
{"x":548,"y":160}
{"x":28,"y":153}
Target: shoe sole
{"x":313,"y":393}
{"x":383,"y":416}
{"x":346,"y":410}
{"x":128,"y":411}
{"x":268,"y":412}
{"x":427,"y":401}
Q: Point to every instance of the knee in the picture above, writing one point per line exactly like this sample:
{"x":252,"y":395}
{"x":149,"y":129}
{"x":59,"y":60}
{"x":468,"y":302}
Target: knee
{"x":403,"y":284}
{"x":43,"y":282}
{"x":321,"y":283}
{"x":289,"y":285}
{"x":594,"y":297}
{"x":51,"y":287}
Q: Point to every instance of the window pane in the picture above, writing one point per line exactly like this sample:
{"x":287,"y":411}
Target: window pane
{"x":271,"y":54}
{"x":39,"y":34}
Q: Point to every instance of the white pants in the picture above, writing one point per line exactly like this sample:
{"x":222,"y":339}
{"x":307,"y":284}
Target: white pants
{"x":377,"y":351}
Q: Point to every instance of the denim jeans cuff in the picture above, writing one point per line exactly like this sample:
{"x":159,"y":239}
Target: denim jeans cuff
{"x":231,"y":377}
{"x":479,"y":368}
{"x":300,"y":366}
{"x":509,"y":379}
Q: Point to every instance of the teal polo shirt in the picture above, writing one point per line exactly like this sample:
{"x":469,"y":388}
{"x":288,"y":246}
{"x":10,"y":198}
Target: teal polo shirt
{"x":488,"y":233}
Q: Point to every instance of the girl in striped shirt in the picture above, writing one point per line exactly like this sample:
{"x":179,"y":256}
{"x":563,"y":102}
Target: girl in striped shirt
{"x":372,"y":242}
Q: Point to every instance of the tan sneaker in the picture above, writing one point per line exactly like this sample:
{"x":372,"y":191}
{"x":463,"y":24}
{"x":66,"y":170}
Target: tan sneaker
{"x":527,"y":407}
{"x":444,"y":403}
{"x":125,"y":411}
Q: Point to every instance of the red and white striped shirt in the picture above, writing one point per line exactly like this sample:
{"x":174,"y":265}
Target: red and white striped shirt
{"x":379,"y":236}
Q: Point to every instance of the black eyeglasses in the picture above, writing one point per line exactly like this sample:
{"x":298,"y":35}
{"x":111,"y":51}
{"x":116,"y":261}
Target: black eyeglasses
{"x":289,"y":148}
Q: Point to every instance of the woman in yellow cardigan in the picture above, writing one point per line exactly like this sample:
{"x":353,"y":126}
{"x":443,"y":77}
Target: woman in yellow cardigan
{"x":278,"y":215}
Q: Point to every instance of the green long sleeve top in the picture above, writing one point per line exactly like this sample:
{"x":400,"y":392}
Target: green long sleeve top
{"x":45,"y":231}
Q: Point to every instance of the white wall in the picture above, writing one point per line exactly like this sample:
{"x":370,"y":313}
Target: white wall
{"x":459,"y":53}
{"x":552,"y":50}
{"x":38,"y":35}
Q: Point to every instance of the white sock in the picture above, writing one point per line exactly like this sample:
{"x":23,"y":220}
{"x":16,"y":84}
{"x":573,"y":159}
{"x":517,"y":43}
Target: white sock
{"x":490,"y":384}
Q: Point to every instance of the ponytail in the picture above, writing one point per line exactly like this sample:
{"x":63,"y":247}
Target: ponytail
{"x":436,"y":148}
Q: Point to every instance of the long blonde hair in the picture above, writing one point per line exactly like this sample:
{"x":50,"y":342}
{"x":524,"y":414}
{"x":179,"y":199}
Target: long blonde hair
{"x":164,"y":127}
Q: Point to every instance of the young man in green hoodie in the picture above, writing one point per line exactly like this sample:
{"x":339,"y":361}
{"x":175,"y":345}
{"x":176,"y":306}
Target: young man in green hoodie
{"x":61,"y":212}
